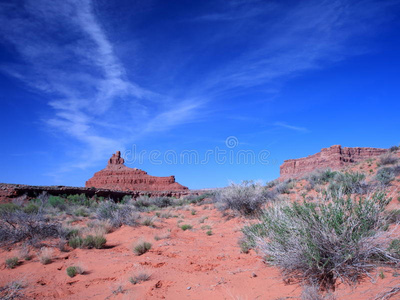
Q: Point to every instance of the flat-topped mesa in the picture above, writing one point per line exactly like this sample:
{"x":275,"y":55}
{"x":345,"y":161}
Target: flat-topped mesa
{"x":334,"y":157}
{"x":117,"y":176}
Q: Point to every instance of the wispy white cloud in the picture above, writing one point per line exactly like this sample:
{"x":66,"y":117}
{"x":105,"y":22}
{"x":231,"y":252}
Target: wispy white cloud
{"x":291,"y":127}
{"x":293,"y":39}
{"x":66,"y":53}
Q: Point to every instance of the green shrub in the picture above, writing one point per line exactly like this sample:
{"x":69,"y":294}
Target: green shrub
{"x":57,"y":202}
{"x":148,"y":222}
{"x":394,"y":148}
{"x":72,"y":271}
{"x":140,"y":277}
{"x":246,"y":198}
{"x":186,"y":227}
{"x":387,"y":159}
{"x":348,"y":183}
{"x":321,"y":177}
{"x":8,"y":207}
{"x":321,"y":242}
{"x":31,"y":208}
{"x":209,"y":232}
{"x":387,"y":174}
{"x":141,"y":248}
{"x":81,"y":212}
{"x":11,"y":263}
{"x":75,"y":242}
{"x":394,"y":247}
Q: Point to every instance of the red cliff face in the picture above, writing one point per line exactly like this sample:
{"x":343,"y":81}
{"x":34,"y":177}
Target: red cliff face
{"x":117,"y":176}
{"x":334,"y":157}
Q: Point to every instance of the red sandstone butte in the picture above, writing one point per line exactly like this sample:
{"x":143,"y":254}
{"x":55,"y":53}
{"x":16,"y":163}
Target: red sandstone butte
{"x":117,"y":176}
{"x":334,"y":157}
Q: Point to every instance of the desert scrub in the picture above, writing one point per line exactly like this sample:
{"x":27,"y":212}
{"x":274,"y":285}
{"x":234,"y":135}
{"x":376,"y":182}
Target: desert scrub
{"x":94,"y":241}
{"x":387,"y":159}
{"x":117,"y":214}
{"x":75,"y":242}
{"x":321,"y":177}
{"x":11,"y":263}
{"x":246,"y":198}
{"x":12,"y":290}
{"x":18,"y":226}
{"x":72,"y":271}
{"x":321,"y":242}
{"x":45,"y":255}
{"x":387,"y":174}
{"x":141,"y":247}
{"x":348,"y":183}
{"x":209,"y":232}
{"x":394,"y":247}
{"x":148,"y":222}
{"x":141,"y":276}
{"x":31,"y":208}
{"x":185,"y":227}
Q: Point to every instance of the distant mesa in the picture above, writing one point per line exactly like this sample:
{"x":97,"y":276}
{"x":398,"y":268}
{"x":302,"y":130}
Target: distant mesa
{"x":117,"y":176}
{"x":334,"y":157}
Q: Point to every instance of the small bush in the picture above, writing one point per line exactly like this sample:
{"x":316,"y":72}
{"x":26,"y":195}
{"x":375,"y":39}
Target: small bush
{"x":394,"y":148}
{"x":347,"y":184}
{"x":141,"y":248}
{"x":117,"y":215}
{"x":386,"y":175}
{"x":246,"y":198}
{"x":321,"y":177}
{"x":8,"y":208}
{"x":81,"y":212}
{"x":321,"y":242}
{"x":388,"y":159}
{"x":75,"y":242}
{"x":45,"y":255}
{"x":148,"y":222}
{"x":185,"y":227}
{"x":140,"y":277}
{"x":57,"y":202}
{"x":31,"y":208}
{"x":11,"y":263}
{"x":74,"y":270}
{"x":209,"y":232}
{"x":394,"y":247}
{"x":12,"y":291}
{"x":312,"y":292}
{"x":94,"y":241}
{"x":18,"y":226}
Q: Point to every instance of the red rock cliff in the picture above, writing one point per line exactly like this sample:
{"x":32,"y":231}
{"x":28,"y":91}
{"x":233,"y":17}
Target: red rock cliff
{"x":117,"y":176}
{"x":334,"y":157}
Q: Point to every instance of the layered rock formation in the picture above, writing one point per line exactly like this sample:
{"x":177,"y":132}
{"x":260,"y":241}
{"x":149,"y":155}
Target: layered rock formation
{"x":334,"y":157}
{"x":117,"y":176}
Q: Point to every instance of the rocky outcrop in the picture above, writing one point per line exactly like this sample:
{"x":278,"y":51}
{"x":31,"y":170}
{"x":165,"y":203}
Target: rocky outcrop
{"x":334,"y":157}
{"x":117,"y":176}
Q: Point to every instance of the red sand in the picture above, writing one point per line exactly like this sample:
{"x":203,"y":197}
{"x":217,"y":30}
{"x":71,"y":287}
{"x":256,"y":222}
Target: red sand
{"x":188,"y":265}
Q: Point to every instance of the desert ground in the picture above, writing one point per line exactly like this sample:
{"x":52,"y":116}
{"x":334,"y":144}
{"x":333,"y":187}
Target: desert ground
{"x":195,"y":253}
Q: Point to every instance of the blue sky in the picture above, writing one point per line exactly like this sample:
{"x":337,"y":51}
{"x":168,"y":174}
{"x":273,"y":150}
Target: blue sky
{"x":81,"y":79}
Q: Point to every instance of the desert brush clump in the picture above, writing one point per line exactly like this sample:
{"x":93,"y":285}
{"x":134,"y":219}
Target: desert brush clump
{"x":320,"y":177}
{"x":12,"y":290}
{"x":72,"y":271}
{"x":387,"y":159}
{"x":141,"y":247}
{"x":387,"y":174}
{"x":185,"y":227}
{"x":45,"y":255}
{"x":321,"y":242}
{"x":19,"y":226}
{"x":246,"y":198}
{"x":140,"y":276}
{"x":11,"y":263}
{"x":348,"y":183}
{"x":117,"y":214}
